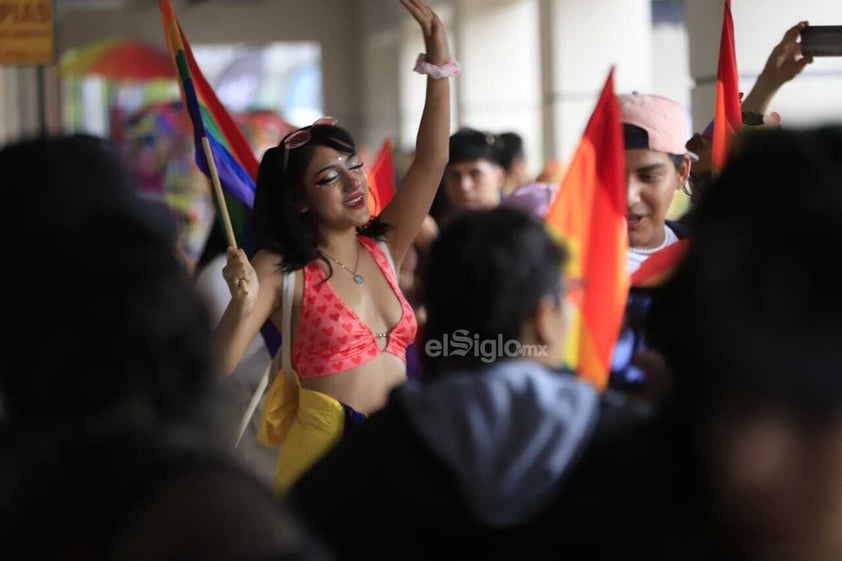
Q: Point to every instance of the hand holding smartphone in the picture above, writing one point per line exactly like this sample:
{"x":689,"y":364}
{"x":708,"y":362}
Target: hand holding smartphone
{"x":821,"y":40}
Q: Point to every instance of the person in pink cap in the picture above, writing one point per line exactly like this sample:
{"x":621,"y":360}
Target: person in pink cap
{"x":655,"y":130}
{"x":657,"y":166}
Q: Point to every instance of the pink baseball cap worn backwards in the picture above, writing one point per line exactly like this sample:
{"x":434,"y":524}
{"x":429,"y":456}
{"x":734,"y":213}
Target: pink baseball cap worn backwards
{"x":663,"y":120}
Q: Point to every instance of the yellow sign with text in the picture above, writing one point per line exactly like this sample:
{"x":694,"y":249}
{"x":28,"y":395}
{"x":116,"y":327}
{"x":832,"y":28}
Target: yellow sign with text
{"x":27,"y":32}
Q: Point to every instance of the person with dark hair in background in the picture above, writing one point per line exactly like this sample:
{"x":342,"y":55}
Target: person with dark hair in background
{"x":512,"y":157}
{"x":108,"y":400}
{"x":750,"y":328}
{"x":473,"y":178}
{"x":350,"y":324}
{"x":495,"y":453}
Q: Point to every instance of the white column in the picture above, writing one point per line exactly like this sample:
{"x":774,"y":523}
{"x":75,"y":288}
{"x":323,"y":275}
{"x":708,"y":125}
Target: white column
{"x":500,"y":89}
{"x":588,"y":38}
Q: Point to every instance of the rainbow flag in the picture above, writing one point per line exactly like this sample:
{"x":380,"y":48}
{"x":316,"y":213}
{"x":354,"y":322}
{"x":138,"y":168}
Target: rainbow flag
{"x":235,"y":161}
{"x":589,"y":214}
{"x":381,"y":180}
{"x":727,"y":116}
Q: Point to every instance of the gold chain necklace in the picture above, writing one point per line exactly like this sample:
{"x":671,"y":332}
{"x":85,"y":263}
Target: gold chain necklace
{"x":358,"y":278}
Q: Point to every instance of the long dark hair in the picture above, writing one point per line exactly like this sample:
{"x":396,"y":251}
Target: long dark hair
{"x":278,"y":223}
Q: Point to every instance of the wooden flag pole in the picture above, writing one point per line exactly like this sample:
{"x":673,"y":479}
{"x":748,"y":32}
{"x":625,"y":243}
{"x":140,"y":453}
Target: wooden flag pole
{"x":217,"y":189}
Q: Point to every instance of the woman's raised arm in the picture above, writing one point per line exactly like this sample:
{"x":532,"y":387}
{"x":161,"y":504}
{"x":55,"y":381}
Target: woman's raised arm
{"x":413,"y":199}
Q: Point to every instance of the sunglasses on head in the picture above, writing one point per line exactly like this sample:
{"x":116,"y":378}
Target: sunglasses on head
{"x":300,"y":137}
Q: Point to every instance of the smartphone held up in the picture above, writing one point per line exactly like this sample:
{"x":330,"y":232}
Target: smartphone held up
{"x":821,"y":40}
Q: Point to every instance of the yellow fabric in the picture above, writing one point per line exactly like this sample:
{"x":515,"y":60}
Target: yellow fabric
{"x":304,"y":422}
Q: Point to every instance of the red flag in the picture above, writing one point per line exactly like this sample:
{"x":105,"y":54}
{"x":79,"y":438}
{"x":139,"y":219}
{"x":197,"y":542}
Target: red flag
{"x":728,"y":116}
{"x":381,"y":180}
{"x":660,"y":265}
{"x":589,"y":213}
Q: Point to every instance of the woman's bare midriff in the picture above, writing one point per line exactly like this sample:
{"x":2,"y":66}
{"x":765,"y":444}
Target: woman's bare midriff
{"x":366,"y":387}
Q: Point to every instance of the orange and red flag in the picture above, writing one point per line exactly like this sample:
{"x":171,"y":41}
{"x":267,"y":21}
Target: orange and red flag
{"x":589,"y":214}
{"x":727,"y":116}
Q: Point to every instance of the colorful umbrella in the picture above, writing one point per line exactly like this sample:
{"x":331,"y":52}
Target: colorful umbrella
{"x":118,"y":59}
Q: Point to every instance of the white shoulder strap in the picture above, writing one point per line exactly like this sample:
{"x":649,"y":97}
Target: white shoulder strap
{"x":286,"y":321}
{"x":385,"y":248}
{"x":286,"y":355}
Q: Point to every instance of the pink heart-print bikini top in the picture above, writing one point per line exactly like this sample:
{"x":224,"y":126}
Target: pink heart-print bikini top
{"x":331,"y":338}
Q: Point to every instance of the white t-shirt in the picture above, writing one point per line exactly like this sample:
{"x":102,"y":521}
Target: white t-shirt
{"x":636,"y":256}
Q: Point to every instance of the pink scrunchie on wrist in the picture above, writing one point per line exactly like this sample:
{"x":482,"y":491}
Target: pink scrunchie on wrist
{"x":446,"y":70}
